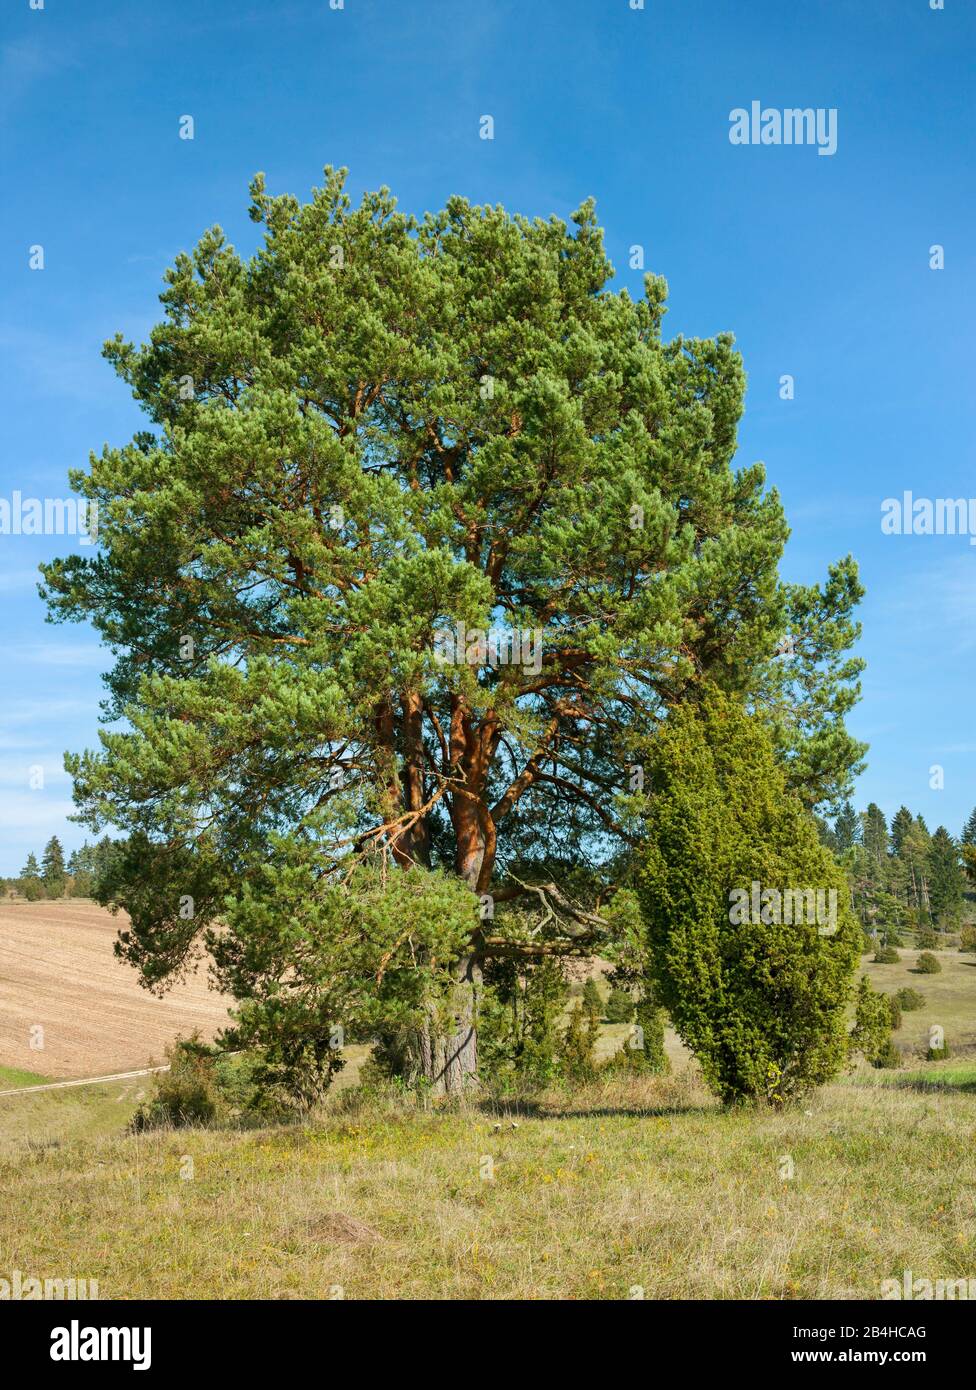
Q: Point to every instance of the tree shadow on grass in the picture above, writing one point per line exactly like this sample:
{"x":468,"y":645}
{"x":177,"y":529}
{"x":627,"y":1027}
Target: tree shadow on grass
{"x":508,"y":1110}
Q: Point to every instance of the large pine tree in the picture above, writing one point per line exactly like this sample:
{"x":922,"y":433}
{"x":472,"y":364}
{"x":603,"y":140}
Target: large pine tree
{"x":368,"y":445}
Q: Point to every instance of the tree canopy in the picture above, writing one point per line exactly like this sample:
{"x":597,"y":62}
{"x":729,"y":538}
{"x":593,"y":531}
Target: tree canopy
{"x":427,"y":531}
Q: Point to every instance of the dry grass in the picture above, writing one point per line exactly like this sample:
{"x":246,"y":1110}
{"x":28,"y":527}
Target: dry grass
{"x":950,"y":999}
{"x":634,"y":1184}
{"x":646,"y":1183}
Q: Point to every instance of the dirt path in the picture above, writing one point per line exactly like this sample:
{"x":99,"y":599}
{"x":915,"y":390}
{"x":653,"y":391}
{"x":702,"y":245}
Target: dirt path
{"x":57,"y":970}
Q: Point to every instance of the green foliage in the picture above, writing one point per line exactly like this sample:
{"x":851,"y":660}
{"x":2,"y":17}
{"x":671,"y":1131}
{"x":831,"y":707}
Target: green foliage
{"x":872,"y":1022}
{"x":760,"y":1003}
{"x":938,"y":1054}
{"x":967,"y":939}
{"x":205,"y":1087}
{"x":945,"y":877}
{"x":901,"y":824}
{"x":31,"y":884}
{"x":889,"y":1056}
{"x":926,"y":939}
{"x":910,"y":999}
{"x":82,"y":884}
{"x":928,"y":964}
{"x":847,"y":828}
{"x":620,"y":1006}
{"x":576,"y":1060}
{"x":886,"y":955}
{"x":31,"y":869}
{"x":874,"y":833}
{"x":592,"y":1000}
{"x":315,"y":960}
{"x":518,"y":1037}
{"x":644,"y":1050}
{"x":894,"y":1008}
{"x":372,"y":430}
{"x":188,"y":1094}
{"x":52,"y":868}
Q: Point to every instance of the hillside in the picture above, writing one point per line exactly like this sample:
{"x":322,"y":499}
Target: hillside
{"x":57,"y":969}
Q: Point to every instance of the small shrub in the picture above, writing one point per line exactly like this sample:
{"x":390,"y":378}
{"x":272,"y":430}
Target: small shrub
{"x":620,"y":1007}
{"x":894,"y":1008}
{"x":576,"y":1060}
{"x":889,"y":1056}
{"x":518,"y":1027}
{"x":910,"y":999}
{"x":592,"y":1000}
{"x":886,"y":955}
{"x":967,"y":939}
{"x":644,"y":1050}
{"x":926,"y":939}
{"x":187,"y":1094}
{"x":205,"y":1087}
{"x":872,"y":1023}
{"x":927,"y":964}
{"x":938,"y":1054}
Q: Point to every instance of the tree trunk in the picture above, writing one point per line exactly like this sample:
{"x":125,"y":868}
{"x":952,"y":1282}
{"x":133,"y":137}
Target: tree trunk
{"x":446,"y":1060}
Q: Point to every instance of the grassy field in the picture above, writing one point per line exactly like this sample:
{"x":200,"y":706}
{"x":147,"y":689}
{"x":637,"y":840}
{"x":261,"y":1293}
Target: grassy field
{"x":950,"y":1000}
{"x":636,"y":1185}
{"x":13,"y":1076}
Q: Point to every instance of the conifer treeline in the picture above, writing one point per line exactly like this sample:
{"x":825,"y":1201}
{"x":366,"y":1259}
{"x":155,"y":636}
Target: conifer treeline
{"x":903,"y":875}
{"x":55,"y":878}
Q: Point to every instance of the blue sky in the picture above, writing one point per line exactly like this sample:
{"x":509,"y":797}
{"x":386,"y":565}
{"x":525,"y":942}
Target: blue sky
{"x":819,"y":265}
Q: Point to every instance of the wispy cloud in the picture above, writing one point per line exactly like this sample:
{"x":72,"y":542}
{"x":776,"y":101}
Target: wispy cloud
{"x":940,"y":601}
{"x":60,"y":654}
{"x":24,"y":63}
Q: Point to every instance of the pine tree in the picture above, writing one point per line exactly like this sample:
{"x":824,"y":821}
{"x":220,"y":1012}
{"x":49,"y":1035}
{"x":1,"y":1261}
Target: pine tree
{"x":914,"y":855}
{"x":52,"y":868}
{"x":968,"y":836}
{"x":847,"y":827}
{"x":373,"y":444}
{"x":945,"y":877}
{"x":31,"y":869}
{"x":875,"y":833}
{"x":901,"y":823}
